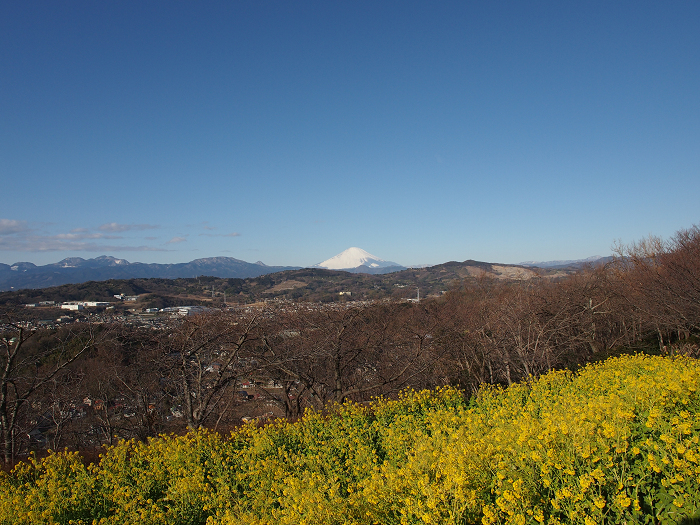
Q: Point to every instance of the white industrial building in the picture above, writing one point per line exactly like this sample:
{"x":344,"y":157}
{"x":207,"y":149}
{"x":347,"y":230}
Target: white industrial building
{"x":72,"y":306}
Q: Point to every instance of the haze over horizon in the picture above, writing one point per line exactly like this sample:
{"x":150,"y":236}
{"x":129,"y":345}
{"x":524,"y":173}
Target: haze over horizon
{"x":287,"y":132}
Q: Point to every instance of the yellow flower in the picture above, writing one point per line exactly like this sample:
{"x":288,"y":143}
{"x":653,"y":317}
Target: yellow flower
{"x":623,"y":501}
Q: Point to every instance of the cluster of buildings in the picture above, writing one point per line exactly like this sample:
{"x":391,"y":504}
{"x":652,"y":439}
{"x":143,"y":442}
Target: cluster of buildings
{"x":75,"y":305}
{"x":182,"y":310}
{"x":42,"y":303}
{"x":80,"y":305}
{"x":123,"y":297}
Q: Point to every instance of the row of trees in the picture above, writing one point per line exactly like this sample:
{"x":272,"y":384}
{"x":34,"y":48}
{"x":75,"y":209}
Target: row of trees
{"x":86,"y":385}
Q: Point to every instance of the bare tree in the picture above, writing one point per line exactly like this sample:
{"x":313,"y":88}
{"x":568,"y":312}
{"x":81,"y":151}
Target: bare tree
{"x":505,"y":331}
{"x":351,"y":352}
{"x":25,"y":369}
{"x":203,"y":357}
{"x":661,"y":280}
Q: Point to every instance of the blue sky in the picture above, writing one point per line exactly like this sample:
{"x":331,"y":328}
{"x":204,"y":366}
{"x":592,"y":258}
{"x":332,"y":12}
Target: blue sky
{"x":287,"y":132}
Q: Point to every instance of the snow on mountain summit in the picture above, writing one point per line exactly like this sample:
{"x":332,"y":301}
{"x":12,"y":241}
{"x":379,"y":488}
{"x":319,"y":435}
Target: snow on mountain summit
{"x":352,"y":258}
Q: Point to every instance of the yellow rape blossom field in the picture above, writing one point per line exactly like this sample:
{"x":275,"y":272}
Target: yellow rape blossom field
{"x":616,"y":442}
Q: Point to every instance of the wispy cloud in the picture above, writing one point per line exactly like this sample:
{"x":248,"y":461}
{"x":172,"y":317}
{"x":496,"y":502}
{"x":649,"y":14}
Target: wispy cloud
{"x":116,"y":227}
{"x":10,"y":226}
{"x":232,"y":234}
{"x":85,"y":235}
{"x":176,"y":240}
{"x":18,"y":236}
{"x":58,"y":243}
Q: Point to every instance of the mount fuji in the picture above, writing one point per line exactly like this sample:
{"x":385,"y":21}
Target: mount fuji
{"x":357,"y":260}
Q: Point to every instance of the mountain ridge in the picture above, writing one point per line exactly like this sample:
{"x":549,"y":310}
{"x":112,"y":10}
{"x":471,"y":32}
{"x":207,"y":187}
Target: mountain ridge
{"x":74,"y":270}
{"x":594,"y":260}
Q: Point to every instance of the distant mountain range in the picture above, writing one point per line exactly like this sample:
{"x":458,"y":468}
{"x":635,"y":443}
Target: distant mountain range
{"x":74,"y":270}
{"x":77,"y":270}
{"x":577,"y":263}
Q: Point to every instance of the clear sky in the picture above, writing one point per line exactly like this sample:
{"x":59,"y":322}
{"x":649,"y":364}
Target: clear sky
{"x":286,"y":132}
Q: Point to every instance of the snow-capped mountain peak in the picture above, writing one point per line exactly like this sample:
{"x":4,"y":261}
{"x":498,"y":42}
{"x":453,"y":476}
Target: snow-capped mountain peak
{"x":353,"y":258}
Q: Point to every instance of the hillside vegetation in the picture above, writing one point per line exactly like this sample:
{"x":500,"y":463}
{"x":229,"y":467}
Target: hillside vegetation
{"x":512,"y":410}
{"x":616,"y":442}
